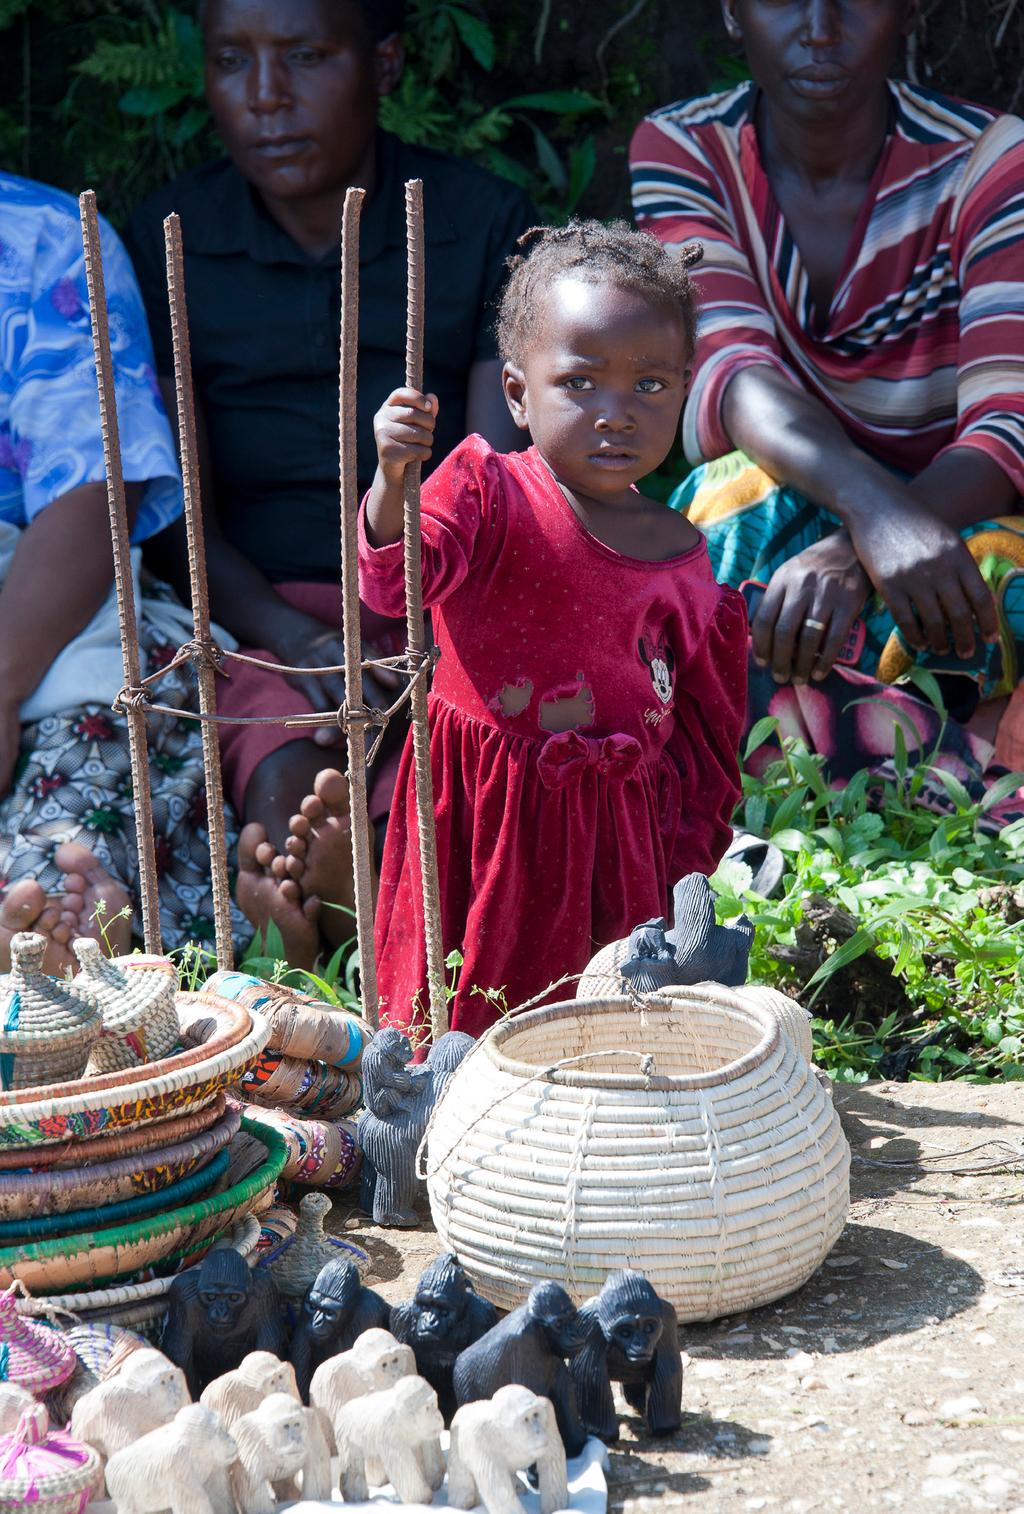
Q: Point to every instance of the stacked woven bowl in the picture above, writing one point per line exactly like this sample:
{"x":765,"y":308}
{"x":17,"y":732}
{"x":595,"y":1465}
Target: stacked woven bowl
{"x":307,"y":1080}
{"x":120,"y":1155}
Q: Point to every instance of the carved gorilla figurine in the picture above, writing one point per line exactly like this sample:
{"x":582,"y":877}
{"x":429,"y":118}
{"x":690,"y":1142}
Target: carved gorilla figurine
{"x":631,"y":1338}
{"x":440,"y":1321}
{"x":528,"y":1347}
{"x":217,"y":1313}
{"x":335,"y":1312}
{"x":495,"y":1439}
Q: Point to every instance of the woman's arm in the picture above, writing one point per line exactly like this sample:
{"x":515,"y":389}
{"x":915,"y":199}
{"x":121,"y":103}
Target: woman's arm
{"x":60,"y":574}
{"x":902,"y":538}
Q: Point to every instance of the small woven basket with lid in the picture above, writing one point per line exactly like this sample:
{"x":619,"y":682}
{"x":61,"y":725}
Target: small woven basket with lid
{"x":47,"y":1028}
{"x":140,"y":1017}
{"x":44,"y":1469}
{"x":31,"y":1355}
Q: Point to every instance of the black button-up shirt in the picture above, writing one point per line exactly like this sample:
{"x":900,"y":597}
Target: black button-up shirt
{"x":264,"y":326}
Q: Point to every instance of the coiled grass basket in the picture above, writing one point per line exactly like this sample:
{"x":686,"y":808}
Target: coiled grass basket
{"x":687,"y":1137}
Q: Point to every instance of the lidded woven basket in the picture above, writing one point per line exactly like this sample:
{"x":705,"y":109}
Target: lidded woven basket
{"x":138,"y":1008}
{"x":44,"y":1469}
{"x":33,"y":1356}
{"x":686,"y":1137}
{"x":47,"y":1027}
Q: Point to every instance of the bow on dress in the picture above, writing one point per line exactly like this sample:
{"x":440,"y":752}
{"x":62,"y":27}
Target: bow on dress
{"x":563,"y":759}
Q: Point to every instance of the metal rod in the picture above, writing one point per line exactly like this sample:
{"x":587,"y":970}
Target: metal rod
{"x":203,"y":660}
{"x":357,"y":715}
{"x":415,"y":633}
{"x":139,"y":752}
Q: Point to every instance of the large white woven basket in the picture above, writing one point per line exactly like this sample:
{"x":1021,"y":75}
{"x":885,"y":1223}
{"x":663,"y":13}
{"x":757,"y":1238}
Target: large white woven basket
{"x":687,"y":1137}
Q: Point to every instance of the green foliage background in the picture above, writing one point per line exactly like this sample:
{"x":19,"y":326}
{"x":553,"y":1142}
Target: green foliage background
{"x":108,"y":93}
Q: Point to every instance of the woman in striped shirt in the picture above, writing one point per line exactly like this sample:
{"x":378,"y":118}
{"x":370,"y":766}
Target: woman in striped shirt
{"x":857,"y":402}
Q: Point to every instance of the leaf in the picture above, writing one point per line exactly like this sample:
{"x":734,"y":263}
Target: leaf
{"x":767,"y":726}
{"x":1003,"y":787}
{"x":582,"y":163}
{"x":475,"y":35}
{"x":788,"y":810}
{"x":955,"y":789}
{"x":732,"y":877}
{"x":928,"y":684}
{"x":907,"y":951}
{"x":790,"y":840}
{"x":860,"y":942}
{"x":551,"y":164}
{"x":564,"y":102}
{"x":151,"y":99}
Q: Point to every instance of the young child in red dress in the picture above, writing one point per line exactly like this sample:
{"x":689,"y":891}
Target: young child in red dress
{"x":588,"y":701}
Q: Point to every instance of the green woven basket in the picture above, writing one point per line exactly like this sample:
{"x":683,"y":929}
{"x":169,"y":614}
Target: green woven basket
{"x":74,"y":1260}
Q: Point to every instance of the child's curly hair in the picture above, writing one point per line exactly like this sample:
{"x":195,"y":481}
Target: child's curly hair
{"x":597,"y":253}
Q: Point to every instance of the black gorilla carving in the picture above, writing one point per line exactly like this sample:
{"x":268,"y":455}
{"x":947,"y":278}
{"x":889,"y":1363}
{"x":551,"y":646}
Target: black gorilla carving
{"x":335,"y":1312}
{"x":217,"y":1313}
{"x":631,"y":1338}
{"x":528,"y":1347}
{"x":441,"y":1320}
{"x":695,"y":950}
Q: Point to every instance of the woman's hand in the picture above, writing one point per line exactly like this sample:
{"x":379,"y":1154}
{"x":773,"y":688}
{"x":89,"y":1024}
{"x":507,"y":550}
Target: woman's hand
{"x":306,"y":644}
{"x":808,"y":608}
{"x":925,"y":574}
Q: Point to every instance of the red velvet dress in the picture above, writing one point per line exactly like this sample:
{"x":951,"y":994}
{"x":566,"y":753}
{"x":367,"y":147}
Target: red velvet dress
{"x":585,"y":717}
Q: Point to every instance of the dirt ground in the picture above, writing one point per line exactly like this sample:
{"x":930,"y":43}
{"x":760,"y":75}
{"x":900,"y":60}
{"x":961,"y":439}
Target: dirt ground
{"x":895,"y":1378}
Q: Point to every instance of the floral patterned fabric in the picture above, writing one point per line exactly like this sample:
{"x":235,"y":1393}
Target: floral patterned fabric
{"x":73,"y":782}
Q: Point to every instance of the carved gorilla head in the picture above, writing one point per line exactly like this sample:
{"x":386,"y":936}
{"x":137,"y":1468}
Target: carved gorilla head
{"x":552,"y":1307}
{"x":441,"y":1295}
{"x":332,"y":1298}
{"x":630,"y":1315}
{"x":389,"y":1048}
{"x":224,"y":1289}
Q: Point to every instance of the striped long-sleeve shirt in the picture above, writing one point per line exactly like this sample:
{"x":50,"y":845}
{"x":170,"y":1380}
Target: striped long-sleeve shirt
{"x":923,"y":347}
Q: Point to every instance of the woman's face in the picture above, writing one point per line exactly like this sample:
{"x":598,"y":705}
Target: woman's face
{"x":818,"y":59}
{"x":294,"y":88}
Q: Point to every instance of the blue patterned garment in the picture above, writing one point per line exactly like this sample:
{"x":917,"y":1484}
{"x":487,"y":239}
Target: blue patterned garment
{"x":49,"y":411}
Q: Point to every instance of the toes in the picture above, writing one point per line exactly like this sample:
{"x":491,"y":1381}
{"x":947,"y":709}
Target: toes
{"x":294,"y":847}
{"x":75,"y":883}
{"x":251,"y":839}
{"x":265,"y":854}
{"x":48,"y":920}
{"x":61,"y":932}
{"x":289,"y":890}
{"x":22,"y":905}
{"x":279,"y":867}
{"x":294,"y":867}
{"x":311,"y":908}
{"x":331,"y":787}
{"x":313,"y":808}
{"x":299,"y":825}
{"x":72,"y":857}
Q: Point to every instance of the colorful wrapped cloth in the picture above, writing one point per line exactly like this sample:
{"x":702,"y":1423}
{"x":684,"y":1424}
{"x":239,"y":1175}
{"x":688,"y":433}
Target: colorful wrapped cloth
{"x":753,"y":525}
{"x":301,"y":1086}
{"x":300,"y":1026}
{"x":321,"y":1153}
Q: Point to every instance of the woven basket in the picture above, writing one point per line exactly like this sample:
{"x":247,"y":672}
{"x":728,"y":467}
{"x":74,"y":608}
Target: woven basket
{"x":304,"y":1088}
{"x":31,"y":1355}
{"x":686,"y":1138}
{"x":145,"y":1095}
{"x":47,"y":1027}
{"x":221,"y":1025}
{"x":124,"y":1212}
{"x":300,"y":1026}
{"x":321,"y":1153}
{"x":140,"y":1020}
{"x":45,"y":1470}
{"x":120,"y":1144}
{"x":38,"y":1194}
{"x":102,"y":1255}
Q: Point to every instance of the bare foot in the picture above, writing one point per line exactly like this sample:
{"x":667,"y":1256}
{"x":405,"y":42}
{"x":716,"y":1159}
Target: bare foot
{"x":25,"y":907}
{"x":318,"y":854}
{"x":111,"y":926}
{"x":263,"y":897}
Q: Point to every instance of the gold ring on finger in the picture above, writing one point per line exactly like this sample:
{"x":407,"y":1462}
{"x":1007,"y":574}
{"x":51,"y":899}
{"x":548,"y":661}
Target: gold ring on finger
{"x":815,"y":625}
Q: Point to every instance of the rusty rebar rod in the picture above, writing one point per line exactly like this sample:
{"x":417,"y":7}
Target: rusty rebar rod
{"x":145,"y":843}
{"x":415,"y":632}
{"x":202,"y":655}
{"x":357,"y":717}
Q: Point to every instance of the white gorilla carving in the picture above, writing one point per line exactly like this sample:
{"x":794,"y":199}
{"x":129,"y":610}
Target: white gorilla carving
{"x":181,"y":1468}
{"x":239,"y":1392}
{"x":394,"y":1437}
{"x":374,"y":1363}
{"x":494,"y":1439}
{"x":275,"y":1443}
{"x":146,"y":1393}
{"x":14,"y":1400}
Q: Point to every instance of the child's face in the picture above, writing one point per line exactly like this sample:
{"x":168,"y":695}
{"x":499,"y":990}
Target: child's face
{"x":601,"y":386}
